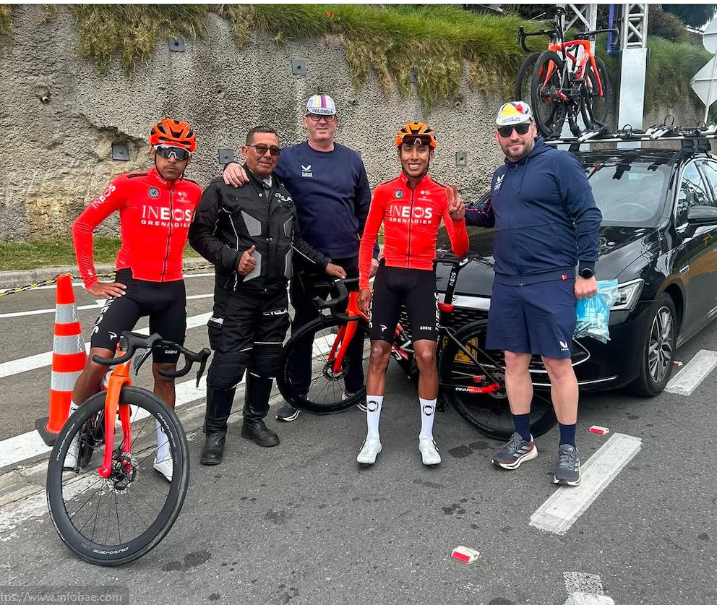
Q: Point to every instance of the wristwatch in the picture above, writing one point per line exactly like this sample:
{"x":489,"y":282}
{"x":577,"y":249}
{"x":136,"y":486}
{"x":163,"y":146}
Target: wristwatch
{"x":587,"y":273}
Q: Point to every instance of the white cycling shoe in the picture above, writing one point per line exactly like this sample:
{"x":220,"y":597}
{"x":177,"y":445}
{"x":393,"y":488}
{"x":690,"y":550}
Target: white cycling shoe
{"x":164,"y":468}
{"x":73,"y":454}
{"x":369,"y":450}
{"x":429,"y":452}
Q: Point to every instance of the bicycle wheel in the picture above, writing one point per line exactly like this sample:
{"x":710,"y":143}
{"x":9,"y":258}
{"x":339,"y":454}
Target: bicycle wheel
{"x":523,"y":80}
{"x":323,"y":392}
{"x":121,"y":518}
{"x":599,"y":104}
{"x":489,"y":413}
{"x":546,"y":90}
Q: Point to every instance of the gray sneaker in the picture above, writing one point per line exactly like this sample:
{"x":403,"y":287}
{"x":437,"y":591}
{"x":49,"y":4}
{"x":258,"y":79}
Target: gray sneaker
{"x":568,"y":469}
{"x":515,"y":452}
{"x":287,"y":412}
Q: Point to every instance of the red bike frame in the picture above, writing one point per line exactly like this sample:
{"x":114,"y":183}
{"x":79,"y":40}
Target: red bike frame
{"x":118,"y":379}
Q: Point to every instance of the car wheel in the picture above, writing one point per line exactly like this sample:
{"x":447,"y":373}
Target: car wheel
{"x":658,"y":351}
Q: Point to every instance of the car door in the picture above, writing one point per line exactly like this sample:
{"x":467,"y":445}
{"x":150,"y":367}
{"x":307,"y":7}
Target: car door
{"x":707,"y":263}
{"x":696,"y":260}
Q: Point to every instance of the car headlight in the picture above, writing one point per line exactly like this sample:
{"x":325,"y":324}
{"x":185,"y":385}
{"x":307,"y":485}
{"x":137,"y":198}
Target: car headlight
{"x":627,"y":295}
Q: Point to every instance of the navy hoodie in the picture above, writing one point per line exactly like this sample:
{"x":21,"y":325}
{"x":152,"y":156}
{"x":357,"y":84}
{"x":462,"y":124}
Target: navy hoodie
{"x":331,"y":193}
{"x":545,"y":217}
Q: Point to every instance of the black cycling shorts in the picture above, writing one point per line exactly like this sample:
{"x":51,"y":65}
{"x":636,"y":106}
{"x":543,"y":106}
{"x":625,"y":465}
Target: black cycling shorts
{"x":414,"y":287}
{"x":164,"y":302}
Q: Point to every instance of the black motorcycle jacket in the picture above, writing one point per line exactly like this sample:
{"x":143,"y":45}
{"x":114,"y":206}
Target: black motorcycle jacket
{"x":230,"y":220}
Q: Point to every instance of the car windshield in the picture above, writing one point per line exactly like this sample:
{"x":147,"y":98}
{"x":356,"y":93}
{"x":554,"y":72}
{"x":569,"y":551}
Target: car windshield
{"x":628,"y":194}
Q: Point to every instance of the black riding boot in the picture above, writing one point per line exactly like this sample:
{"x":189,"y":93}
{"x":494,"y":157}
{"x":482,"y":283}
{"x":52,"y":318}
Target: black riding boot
{"x":256,"y":407}
{"x":219,"y":406}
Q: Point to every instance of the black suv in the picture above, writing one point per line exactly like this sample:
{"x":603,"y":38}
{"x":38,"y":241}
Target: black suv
{"x":658,"y":239}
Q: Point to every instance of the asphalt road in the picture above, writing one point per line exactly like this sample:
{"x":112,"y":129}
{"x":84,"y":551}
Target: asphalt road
{"x":303,"y":524}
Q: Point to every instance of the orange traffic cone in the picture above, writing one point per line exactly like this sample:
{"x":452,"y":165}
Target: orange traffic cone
{"x":68,"y":360}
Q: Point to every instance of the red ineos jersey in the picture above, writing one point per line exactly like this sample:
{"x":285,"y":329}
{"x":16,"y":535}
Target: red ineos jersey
{"x":411,"y":218}
{"x":154,"y":220}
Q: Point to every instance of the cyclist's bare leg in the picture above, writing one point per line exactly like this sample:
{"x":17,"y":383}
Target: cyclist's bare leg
{"x":164,"y":387}
{"x":425,"y":354}
{"x":564,"y":389}
{"x":377,"y":363}
{"x":517,"y":382}
{"x":89,"y":382}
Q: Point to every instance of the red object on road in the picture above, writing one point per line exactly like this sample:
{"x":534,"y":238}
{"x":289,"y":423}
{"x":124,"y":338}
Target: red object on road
{"x":599,"y":430}
{"x":465,"y":554}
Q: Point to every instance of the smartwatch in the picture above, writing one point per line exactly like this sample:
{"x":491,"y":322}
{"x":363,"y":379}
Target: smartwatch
{"x":587,"y":273}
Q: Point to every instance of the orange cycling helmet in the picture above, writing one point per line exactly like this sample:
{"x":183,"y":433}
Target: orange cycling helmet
{"x":414,"y":131}
{"x":173,"y":133}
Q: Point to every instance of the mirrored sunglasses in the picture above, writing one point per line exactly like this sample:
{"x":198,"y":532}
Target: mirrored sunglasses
{"x":166,"y":152}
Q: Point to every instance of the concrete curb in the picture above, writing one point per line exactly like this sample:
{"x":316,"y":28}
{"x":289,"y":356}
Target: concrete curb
{"x":16,"y":279}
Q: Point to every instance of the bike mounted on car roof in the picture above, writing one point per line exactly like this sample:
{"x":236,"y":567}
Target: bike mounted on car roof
{"x":565,"y":82}
{"x":472,"y":380}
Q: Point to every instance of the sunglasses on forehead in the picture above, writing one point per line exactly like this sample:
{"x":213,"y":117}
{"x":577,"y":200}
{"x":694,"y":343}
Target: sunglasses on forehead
{"x":262,"y":149}
{"x":521,"y":129}
{"x":166,"y":152}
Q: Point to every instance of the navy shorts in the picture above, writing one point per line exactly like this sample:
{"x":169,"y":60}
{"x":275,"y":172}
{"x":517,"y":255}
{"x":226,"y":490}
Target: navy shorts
{"x":537,"y":318}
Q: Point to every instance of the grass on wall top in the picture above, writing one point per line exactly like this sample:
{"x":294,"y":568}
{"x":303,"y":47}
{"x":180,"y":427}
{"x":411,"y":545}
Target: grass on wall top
{"x":436,"y":43}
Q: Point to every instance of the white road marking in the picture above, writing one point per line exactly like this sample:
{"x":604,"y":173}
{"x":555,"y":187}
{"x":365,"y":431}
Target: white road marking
{"x":585,"y":589}
{"x":28,"y":445}
{"x":562,"y":509}
{"x":98,"y":303}
{"x":693,"y":373}
{"x":583,"y":582}
{"x":33,"y":362}
{"x":584,"y":598}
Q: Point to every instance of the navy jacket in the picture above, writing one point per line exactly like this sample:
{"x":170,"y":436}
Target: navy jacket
{"x":331,"y":193}
{"x":545,"y":217}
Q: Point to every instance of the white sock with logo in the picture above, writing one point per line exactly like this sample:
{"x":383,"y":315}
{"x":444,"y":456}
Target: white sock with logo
{"x":374,"y":403}
{"x":428,"y":413}
{"x":162,"y":443}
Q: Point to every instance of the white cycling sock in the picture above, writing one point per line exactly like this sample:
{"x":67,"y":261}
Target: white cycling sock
{"x":428,"y":413}
{"x":73,"y":407}
{"x":374,"y":403}
{"x":162,"y":443}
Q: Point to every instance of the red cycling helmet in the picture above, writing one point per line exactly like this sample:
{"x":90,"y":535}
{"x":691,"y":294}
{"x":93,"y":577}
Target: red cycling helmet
{"x":174,"y":133}
{"x":413,"y":131}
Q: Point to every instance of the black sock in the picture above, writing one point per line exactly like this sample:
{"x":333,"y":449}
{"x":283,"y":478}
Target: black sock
{"x":567,"y":434}
{"x":521,"y":422}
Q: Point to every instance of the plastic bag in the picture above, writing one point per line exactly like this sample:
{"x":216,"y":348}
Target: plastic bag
{"x":593,"y":314}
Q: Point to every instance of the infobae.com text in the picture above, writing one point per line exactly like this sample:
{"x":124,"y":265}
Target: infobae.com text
{"x":42,"y":594}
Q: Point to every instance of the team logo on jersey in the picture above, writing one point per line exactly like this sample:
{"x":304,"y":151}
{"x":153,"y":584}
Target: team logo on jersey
{"x":306,"y":171}
{"x":498,"y":182}
{"x":153,"y":192}
{"x":398,"y":194}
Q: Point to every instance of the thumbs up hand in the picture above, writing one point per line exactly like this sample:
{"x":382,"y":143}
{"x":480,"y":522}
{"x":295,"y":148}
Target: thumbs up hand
{"x":246,"y":263}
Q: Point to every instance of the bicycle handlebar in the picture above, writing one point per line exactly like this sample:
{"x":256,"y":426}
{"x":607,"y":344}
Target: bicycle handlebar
{"x":522,"y":35}
{"x":341,"y":285}
{"x":610,"y":30}
{"x":131,"y":341}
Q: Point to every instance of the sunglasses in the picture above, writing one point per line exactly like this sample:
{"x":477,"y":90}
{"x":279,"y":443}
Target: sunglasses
{"x":416,"y":140}
{"x":317,"y":118}
{"x":166,"y":152}
{"x":262,"y":149}
{"x":521,"y":129}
